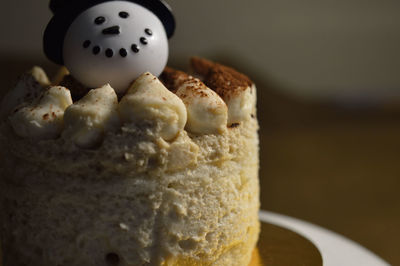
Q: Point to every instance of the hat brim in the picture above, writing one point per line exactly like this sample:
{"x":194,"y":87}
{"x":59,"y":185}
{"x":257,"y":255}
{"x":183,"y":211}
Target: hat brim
{"x":58,"y":26}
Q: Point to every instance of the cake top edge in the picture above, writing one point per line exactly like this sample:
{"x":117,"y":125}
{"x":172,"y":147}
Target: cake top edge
{"x":212,"y":100}
{"x":222,"y":79}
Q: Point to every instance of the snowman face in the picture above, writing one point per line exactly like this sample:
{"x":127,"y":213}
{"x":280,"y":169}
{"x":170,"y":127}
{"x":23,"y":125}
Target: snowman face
{"x":115,"y":42}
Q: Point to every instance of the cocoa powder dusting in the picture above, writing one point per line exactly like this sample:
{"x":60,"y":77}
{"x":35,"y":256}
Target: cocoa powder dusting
{"x":173,"y":79}
{"x":201,"y":66}
{"x":224,"y":80}
{"x":199,"y":90}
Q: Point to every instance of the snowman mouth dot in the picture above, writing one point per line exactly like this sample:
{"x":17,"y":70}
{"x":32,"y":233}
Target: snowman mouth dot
{"x":144,"y":41}
{"x":96,"y":50}
{"x":123,"y":52}
{"x":135,"y":48}
{"x":86,"y":44}
{"x":148,"y":32}
{"x":109,"y":53}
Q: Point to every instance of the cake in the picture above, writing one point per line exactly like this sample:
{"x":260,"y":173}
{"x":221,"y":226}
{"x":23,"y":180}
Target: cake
{"x":165,"y":173}
{"x":120,"y":160}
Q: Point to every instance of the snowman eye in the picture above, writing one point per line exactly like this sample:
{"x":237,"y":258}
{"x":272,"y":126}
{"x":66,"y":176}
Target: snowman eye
{"x":100,"y":20}
{"x":123,"y":14}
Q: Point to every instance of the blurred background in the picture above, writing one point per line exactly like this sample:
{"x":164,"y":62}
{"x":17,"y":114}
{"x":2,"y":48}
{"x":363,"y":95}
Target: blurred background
{"x":328,"y":83}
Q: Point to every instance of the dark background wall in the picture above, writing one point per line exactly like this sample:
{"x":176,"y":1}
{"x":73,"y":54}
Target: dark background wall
{"x":317,"y":48}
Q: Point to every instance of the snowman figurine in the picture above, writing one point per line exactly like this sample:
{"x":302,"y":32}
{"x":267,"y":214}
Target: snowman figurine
{"x":107,"y":41}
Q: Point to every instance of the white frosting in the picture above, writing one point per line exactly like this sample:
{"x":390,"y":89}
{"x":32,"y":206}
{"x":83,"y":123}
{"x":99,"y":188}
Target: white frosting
{"x":40,"y":76}
{"x":29,"y":86}
{"x":242,"y":105}
{"x":43,"y":118}
{"x":149,"y":99}
{"x":88,"y":119}
{"x":96,"y":70}
{"x":193,"y":107}
{"x":207,"y":112}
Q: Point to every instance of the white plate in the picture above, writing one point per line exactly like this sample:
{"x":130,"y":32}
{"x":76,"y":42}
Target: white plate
{"x":336,"y":250}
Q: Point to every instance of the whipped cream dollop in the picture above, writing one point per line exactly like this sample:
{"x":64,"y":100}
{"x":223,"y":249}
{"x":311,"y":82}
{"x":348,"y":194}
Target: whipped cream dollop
{"x":220,"y":99}
{"x":241,"y":105}
{"x":43,"y":118}
{"x":29,"y":86}
{"x":149,"y":99}
{"x":207,"y":112}
{"x":88,"y":119}
{"x":236,"y":89}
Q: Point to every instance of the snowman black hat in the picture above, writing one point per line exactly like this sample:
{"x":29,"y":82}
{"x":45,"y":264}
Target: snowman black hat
{"x":66,"y":11}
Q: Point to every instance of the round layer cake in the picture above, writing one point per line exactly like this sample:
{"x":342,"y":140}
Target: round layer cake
{"x":166,"y":174}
